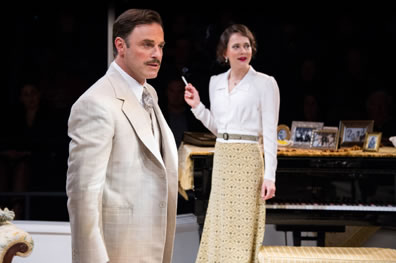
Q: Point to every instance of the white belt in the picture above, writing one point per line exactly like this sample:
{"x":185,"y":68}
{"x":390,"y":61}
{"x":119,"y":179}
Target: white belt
{"x":230,"y":136}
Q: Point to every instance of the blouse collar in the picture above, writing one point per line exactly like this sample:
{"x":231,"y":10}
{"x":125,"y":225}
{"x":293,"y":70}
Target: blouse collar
{"x":242,"y":85}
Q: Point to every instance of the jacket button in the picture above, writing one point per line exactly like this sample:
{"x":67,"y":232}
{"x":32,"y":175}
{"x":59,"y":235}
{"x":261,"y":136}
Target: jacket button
{"x":162,"y":204}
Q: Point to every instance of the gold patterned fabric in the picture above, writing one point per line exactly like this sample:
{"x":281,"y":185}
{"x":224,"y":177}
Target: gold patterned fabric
{"x":186,"y":165}
{"x":235,"y":219}
{"x":285,"y":254}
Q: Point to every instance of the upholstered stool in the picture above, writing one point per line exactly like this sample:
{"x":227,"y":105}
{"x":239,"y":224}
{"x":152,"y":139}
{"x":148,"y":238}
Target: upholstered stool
{"x":13,"y":241}
{"x":286,"y":254}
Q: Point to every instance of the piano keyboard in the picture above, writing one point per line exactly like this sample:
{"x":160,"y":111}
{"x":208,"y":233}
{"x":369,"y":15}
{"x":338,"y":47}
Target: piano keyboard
{"x":375,"y":208}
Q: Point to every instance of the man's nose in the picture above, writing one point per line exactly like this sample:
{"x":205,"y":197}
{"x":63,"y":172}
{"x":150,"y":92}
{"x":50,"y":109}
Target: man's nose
{"x":157,"y":52}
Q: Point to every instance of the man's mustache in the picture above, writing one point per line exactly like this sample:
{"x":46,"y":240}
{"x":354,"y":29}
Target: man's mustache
{"x":153,"y":61}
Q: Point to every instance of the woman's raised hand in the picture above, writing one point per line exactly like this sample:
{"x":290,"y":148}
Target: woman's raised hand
{"x":191,"y":96}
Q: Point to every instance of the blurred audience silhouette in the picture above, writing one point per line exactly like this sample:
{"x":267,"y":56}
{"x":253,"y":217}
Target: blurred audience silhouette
{"x":29,"y":146}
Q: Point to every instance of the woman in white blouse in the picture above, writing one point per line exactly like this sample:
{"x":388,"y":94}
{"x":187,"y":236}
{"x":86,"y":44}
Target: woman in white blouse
{"x":244,"y":117}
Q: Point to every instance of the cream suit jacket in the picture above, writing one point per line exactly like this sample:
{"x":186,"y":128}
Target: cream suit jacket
{"x":122,"y":193}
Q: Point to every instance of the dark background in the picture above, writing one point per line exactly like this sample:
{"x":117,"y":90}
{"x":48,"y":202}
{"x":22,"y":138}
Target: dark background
{"x":331,"y":63}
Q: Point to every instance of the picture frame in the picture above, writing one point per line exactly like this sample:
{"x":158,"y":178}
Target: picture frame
{"x":283,"y":132}
{"x":372,"y":141}
{"x":353,"y":132}
{"x":301,"y":133}
{"x":325,"y":138}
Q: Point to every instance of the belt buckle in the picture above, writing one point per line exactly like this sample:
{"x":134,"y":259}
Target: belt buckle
{"x":225,"y":136}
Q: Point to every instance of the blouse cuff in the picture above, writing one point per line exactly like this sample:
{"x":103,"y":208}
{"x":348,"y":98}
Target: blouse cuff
{"x":269,"y":174}
{"x":197,"y":111}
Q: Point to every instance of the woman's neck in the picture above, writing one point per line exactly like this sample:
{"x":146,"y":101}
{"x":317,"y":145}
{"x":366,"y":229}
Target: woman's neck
{"x":236,"y":75}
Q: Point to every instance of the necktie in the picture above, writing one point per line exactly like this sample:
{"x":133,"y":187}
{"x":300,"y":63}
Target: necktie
{"x":148,"y":105}
{"x":147,"y":101}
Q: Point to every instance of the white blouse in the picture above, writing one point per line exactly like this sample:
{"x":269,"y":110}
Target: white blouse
{"x":251,"y":108}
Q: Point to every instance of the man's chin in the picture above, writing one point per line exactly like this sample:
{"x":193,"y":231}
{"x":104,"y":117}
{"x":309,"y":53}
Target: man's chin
{"x":152,"y":76}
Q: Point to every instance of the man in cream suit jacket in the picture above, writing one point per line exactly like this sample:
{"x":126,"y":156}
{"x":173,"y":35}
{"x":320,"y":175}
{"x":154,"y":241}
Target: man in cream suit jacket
{"x":122,"y":175}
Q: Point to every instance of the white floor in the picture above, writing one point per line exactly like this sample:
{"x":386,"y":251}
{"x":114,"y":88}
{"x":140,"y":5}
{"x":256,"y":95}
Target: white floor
{"x":52,"y":240}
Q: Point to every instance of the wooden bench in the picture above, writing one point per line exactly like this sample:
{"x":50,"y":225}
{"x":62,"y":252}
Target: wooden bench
{"x":285,"y":254}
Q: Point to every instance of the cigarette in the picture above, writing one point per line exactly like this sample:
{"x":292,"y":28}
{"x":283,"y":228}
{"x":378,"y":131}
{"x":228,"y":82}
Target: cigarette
{"x":184,"y":80}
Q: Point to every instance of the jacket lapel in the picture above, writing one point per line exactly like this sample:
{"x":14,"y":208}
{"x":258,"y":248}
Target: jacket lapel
{"x":169,"y":149}
{"x":135,"y":113}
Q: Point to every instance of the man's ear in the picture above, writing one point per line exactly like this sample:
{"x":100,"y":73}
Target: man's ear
{"x":120,"y":45}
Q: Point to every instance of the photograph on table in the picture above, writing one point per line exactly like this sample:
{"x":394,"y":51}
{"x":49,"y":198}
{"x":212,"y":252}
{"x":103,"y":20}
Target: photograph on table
{"x":325,"y":138}
{"x":283,"y":132}
{"x":372,"y":141}
{"x":283,"y":136}
{"x":353,"y":132}
{"x":302,"y":131}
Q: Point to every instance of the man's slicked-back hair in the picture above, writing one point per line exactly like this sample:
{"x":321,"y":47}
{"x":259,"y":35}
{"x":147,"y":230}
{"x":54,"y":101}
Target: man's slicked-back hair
{"x":128,"y":20}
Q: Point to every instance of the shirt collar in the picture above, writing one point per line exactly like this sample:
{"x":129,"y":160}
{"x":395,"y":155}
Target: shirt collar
{"x":136,"y":87}
{"x":243,"y":84}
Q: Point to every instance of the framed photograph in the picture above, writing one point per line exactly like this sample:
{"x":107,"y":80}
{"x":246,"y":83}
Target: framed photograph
{"x":372,"y":141}
{"x":354,"y":132}
{"x":325,"y":138}
{"x":283,"y":132}
{"x":302,"y":131}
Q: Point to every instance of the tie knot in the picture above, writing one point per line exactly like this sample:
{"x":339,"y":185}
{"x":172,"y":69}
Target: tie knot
{"x":147,"y":99}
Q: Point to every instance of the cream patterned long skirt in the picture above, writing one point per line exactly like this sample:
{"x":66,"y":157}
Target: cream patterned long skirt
{"x":235,"y":220}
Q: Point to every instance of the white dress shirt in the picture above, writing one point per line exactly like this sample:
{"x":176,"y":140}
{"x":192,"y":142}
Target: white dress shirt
{"x":135,"y":86}
{"x":251,"y":108}
{"x":137,"y":89}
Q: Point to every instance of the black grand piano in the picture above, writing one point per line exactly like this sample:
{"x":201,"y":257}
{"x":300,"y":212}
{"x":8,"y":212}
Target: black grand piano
{"x":319,"y":193}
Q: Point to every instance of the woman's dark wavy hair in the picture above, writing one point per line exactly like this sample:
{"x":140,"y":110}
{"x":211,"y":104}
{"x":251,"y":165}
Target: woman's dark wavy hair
{"x":225,"y":37}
